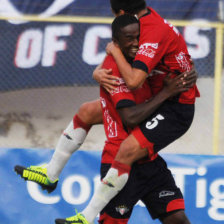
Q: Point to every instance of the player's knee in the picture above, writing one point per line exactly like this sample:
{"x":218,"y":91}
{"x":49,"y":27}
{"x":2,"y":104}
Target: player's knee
{"x":85,"y":111}
{"x":90,"y":112}
{"x":176,"y":218}
{"x":130,"y":151}
{"x":125,"y":155}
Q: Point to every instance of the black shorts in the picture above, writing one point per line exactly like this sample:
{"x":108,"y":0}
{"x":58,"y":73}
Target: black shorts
{"x":168,"y":123}
{"x":151,"y":182}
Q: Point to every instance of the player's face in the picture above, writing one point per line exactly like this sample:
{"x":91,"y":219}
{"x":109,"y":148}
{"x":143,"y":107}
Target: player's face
{"x":128,"y":40}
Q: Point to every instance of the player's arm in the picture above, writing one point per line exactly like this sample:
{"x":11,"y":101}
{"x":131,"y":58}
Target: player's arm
{"x":133,"y":77}
{"x":105,"y":78}
{"x":135,"y":114}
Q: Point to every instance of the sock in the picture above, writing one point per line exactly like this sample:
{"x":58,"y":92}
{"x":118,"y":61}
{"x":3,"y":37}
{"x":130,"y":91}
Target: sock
{"x":109,"y":187}
{"x":71,"y":139}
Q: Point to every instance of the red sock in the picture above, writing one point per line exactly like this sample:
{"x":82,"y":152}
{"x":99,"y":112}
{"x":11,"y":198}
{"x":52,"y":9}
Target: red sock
{"x":78,"y":123}
{"x":121,"y":167}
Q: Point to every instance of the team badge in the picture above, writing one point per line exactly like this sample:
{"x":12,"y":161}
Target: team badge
{"x":122,"y":209}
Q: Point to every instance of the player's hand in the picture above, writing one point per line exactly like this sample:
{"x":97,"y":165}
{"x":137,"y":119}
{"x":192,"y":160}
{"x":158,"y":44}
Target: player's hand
{"x":105,"y":79}
{"x":190,"y":78}
{"x":174,"y":86}
{"x":112,"y":48}
{"x":182,"y":82}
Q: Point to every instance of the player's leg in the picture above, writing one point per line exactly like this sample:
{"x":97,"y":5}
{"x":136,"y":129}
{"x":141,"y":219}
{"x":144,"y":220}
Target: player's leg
{"x":133,"y":148}
{"x":155,"y":133}
{"x":178,"y":217}
{"x":130,"y":151}
{"x":119,"y":209}
{"x":115,"y":179}
{"x":89,"y":114}
{"x":71,"y":139}
{"x":164,"y":200}
{"x":154,"y":184}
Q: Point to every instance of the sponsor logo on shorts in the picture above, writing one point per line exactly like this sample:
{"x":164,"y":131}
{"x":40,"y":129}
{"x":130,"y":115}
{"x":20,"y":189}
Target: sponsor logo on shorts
{"x":122,"y":209}
{"x":166,"y":193}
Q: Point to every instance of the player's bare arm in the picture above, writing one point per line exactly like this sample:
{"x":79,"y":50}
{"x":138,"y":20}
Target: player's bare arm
{"x":190,"y":77}
{"x":133,"y":77}
{"x":105,"y":78}
{"x":132,"y":116}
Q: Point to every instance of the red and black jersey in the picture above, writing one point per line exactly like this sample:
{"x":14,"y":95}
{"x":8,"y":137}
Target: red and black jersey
{"x":120,"y":97}
{"x":162,"y":50}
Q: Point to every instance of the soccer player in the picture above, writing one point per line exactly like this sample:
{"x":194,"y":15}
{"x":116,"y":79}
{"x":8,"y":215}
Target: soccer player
{"x":73,"y":136}
{"x":149,"y":178}
{"x":162,"y":49}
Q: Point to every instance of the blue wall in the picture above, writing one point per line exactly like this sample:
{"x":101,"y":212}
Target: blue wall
{"x":200,"y":178}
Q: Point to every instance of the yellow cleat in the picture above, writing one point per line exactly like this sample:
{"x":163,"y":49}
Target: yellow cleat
{"x":37,"y":174}
{"x":76,"y":219}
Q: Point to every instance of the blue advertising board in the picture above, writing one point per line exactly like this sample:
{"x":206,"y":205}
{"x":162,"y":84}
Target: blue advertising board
{"x":40,"y":55}
{"x":200,"y":178}
{"x":44,"y":54}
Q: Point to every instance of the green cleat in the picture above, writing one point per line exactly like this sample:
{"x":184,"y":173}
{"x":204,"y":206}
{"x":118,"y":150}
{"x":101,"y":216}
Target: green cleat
{"x":76,"y":219}
{"x":37,"y":174}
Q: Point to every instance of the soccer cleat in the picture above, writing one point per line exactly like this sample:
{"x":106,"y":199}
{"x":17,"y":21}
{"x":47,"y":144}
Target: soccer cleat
{"x":76,"y":219}
{"x":37,"y":174}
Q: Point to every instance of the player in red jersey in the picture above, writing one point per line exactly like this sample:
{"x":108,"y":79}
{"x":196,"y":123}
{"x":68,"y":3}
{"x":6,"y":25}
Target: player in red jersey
{"x":73,"y":136}
{"x":163,"y":49}
{"x":148,"y":177}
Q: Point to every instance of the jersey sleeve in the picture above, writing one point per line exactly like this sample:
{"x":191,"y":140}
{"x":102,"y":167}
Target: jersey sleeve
{"x":152,"y":47}
{"x":109,"y":63}
{"x":121,"y":96}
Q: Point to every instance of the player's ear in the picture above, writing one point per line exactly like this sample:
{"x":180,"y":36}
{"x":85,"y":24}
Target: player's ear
{"x":121,"y":12}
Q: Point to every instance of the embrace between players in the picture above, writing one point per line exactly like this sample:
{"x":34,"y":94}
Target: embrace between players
{"x":147,"y":98}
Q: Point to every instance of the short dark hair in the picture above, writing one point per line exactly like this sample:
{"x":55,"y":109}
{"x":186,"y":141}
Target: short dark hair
{"x":129,"y":6}
{"x":120,"y":22}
